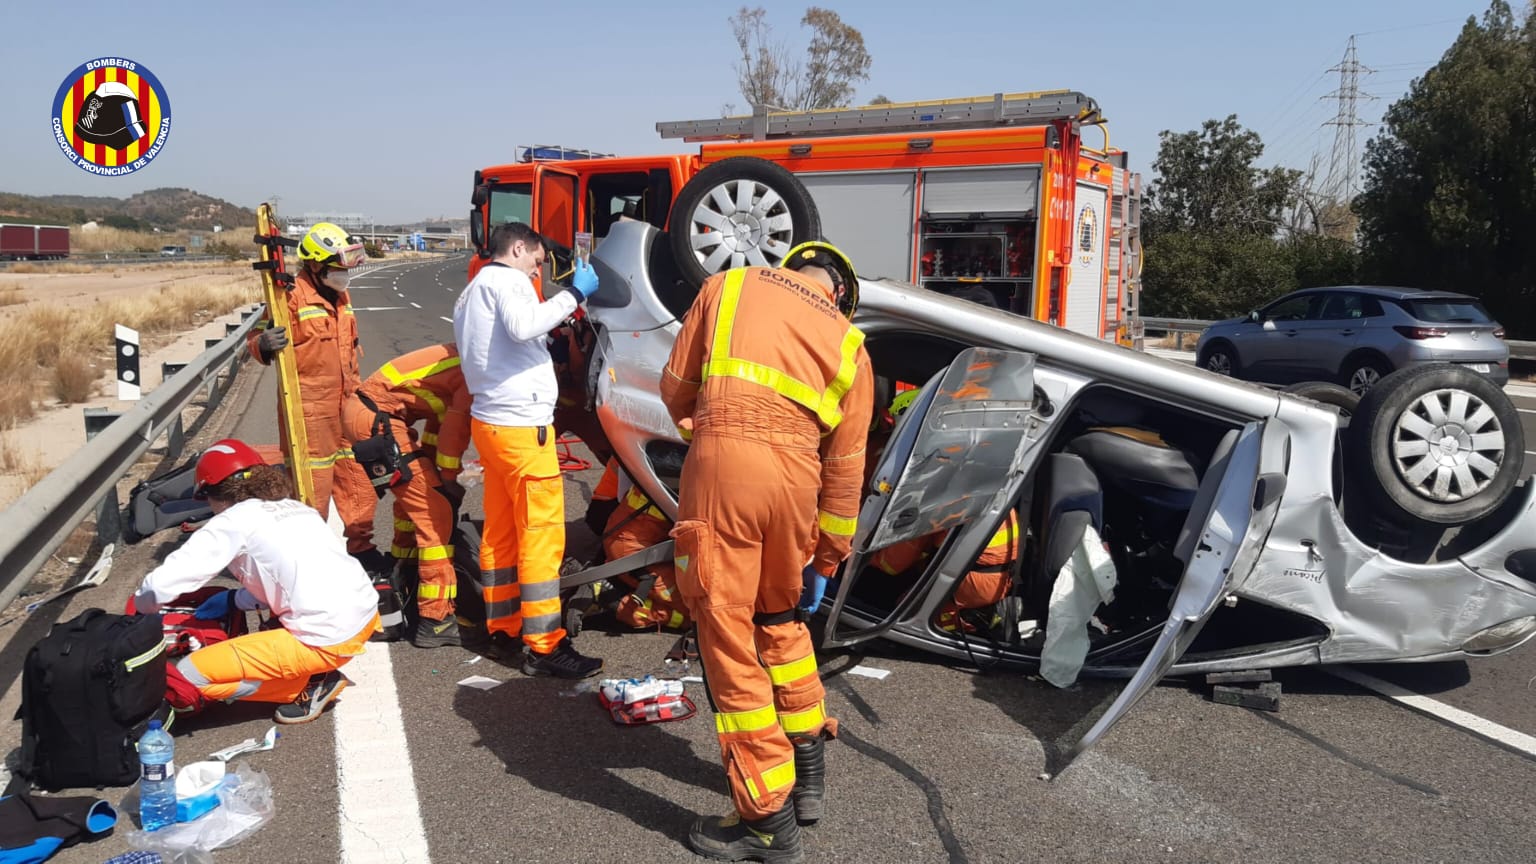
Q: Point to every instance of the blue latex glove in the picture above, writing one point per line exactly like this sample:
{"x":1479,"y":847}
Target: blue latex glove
{"x":217,"y":607}
{"x":813,"y":586}
{"x":584,"y":280}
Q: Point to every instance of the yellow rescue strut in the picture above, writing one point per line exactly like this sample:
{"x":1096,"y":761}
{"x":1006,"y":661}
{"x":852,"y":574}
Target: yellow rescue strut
{"x":275,"y":283}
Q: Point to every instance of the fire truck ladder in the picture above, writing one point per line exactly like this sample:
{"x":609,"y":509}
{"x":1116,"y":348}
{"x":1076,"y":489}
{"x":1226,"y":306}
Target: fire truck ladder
{"x":999,"y":109}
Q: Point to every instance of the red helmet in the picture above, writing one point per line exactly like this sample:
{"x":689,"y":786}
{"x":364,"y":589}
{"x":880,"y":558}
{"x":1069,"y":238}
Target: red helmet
{"x":222,"y":460}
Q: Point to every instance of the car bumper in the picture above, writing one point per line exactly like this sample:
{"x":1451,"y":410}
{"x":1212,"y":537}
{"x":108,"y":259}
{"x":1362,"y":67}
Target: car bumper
{"x":1494,"y":370}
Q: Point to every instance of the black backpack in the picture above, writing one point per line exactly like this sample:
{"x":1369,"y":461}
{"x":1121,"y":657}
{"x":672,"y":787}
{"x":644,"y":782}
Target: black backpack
{"x":88,"y":691}
{"x":164,"y":501}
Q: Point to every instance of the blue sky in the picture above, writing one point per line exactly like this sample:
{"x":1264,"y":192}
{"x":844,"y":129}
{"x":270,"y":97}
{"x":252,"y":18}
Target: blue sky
{"x":386,"y":108}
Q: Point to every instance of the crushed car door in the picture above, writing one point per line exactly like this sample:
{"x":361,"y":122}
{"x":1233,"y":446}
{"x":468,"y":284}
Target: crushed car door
{"x":1226,"y":529}
{"x":952,"y":460}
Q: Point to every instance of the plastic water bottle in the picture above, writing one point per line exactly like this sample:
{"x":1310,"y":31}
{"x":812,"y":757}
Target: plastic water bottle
{"x":157,"y":778}
{"x":472,"y":474}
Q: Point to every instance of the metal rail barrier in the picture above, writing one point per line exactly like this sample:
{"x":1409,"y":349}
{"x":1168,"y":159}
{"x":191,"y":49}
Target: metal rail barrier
{"x":39,"y":522}
{"x":1179,"y":328}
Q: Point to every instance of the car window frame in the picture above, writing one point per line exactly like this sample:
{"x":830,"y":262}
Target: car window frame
{"x":1313,"y":307}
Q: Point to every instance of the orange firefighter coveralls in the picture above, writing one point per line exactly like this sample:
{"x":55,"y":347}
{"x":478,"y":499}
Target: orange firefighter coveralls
{"x":322,"y":332}
{"x":779,"y":390}
{"x":985,"y":585}
{"x":424,"y":385}
{"x":637,"y":524}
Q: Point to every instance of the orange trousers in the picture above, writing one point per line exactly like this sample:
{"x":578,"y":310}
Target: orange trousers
{"x":265,"y":666}
{"x":746,"y":527}
{"x":630,"y":531}
{"x":423,"y":514}
{"x":524,"y":539}
{"x":334,"y":472}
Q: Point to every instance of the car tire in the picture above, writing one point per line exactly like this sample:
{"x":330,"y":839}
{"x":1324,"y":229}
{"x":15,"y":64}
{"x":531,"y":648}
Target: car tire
{"x":1362,"y":373}
{"x":1435,"y":444}
{"x":781,"y":214}
{"x":1221,"y":359}
{"x":1339,"y":396}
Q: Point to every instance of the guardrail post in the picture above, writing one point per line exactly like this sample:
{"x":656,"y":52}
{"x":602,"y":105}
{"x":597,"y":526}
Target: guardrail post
{"x":230,"y":327}
{"x":169,"y":369}
{"x":97,"y":419}
{"x":175,"y":438}
{"x":109,"y":521}
{"x":211,"y":343}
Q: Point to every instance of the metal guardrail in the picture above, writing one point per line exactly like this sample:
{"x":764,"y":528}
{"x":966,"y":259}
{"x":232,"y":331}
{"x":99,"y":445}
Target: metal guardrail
{"x":115,"y":259}
{"x":39,"y":522}
{"x":1179,"y":328}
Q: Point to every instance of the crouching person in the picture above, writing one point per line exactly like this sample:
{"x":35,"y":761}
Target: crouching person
{"x":287,"y":560}
{"x":634,"y":525}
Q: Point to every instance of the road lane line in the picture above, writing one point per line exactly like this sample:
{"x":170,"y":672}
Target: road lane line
{"x":446,"y":318}
{"x":1526,"y":410}
{"x":415,"y":304}
{"x":1502,"y":735}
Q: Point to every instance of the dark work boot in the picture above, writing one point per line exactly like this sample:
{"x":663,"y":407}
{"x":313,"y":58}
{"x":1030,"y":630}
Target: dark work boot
{"x":563,"y":662}
{"x":810,"y":779}
{"x":432,"y":633}
{"x":732,"y":838}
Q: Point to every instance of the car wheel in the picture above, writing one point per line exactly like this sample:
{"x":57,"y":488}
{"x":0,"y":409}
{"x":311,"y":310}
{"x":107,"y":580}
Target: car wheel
{"x":1220,"y":359}
{"x":1361,"y":374}
{"x":1438,"y":444}
{"x":1342,"y":398}
{"x":739,"y":212}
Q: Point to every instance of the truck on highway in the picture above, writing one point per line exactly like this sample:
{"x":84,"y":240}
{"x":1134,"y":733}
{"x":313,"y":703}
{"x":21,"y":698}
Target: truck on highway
{"x":998,"y":199}
{"x":33,"y":242}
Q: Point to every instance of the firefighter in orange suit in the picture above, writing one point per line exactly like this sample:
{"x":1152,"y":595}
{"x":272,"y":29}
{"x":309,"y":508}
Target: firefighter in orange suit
{"x":775,"y":384}
{"x":635,"y":524}
{"x":424,"y":385}
{"x":326,"y":352}
{"x":987,"y":582}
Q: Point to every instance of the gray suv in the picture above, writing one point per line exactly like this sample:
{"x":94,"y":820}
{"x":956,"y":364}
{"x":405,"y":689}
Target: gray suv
{"x":1355,"y":335}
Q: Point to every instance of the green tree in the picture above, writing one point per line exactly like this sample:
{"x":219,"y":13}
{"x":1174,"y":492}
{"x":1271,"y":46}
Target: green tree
{"x":768,"y":73}
{"x":1207,"y":182}
{"x":1449,"y":197}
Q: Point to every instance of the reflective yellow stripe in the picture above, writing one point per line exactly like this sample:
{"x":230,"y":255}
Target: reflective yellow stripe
{"x":403,"y":551}
{"x":436,"y":553}
{"x":308,"y":312}
{"x":431,"y":399}
{"x":842,"y":526}
{"x":636,"y":500}
{"x":803,"y":722}
{"x":685,"y":434}
{"x":404,"y":525}
{"x":824,"y":403}
{"x":676,"y":620}
{"x":1003,"y":536}
{"x":347,"y":310}
{"x":452,"y":463}
{"x":322,"y":461}
{"x":790,"y":672}
{"x":133,"y":663}
{"x":429,"y":438}
{"x":745,"y":721}
{"x":395,"y":376}
{"x":775,"y":778}
{"x":438,"y":592}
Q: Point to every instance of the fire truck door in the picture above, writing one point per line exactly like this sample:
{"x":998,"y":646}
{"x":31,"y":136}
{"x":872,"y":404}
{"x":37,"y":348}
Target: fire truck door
{"x":1085,"y":292}
{"x":554,"y":206}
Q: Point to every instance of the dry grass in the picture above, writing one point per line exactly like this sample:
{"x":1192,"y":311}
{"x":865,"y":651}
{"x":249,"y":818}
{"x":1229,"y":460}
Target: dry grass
{"x":74,"y":379}
{"x":26,"y":463}
{"x":11,"y":294}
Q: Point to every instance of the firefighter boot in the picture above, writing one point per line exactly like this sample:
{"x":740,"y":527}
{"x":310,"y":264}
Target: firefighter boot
{"x":810,"y":788}
{"x":731,"y":838}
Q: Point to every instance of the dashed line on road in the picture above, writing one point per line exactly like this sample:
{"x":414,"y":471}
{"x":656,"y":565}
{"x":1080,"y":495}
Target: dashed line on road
{"x":1464,"y":720}
{"x":1526,"y":410}
{"x":415,"y":305}
{"x":446,"y":318}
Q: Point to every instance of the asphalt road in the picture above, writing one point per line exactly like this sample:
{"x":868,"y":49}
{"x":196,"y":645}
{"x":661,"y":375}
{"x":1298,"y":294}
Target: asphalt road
{"x":936,"y":762}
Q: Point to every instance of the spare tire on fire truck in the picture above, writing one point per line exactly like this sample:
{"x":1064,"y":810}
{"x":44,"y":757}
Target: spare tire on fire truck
{"x":739,"y":212}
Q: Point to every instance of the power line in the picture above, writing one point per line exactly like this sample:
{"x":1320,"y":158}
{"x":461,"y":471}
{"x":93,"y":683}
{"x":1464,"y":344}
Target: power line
{"x":1342,"y":162}
{"x":1407,"y":27}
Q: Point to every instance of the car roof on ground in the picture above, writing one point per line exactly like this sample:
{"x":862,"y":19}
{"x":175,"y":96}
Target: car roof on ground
{"x":1388,"y":291}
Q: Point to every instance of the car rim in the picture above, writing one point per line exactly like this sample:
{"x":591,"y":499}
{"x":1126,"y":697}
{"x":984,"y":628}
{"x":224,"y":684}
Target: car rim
{"x":1219,"y":363}
{"x":1364,"y":379}
{"x":740,"y":223}
{"x":1448,"y":445}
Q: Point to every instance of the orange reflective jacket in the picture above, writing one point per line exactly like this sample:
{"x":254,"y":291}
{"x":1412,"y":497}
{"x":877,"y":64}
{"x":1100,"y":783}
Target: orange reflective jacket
{"x":427,"y":385}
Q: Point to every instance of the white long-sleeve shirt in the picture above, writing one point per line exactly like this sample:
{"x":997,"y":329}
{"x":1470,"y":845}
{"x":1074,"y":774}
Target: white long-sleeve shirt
{"x":286,"y":556}
{"x":500,"y":327}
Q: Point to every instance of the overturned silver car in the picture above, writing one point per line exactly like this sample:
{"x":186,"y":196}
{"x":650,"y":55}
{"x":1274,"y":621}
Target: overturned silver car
{"x":1247,"y":528}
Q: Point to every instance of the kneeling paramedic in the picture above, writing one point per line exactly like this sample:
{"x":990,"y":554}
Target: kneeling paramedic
{"x":379,"y":420}
{"x":776,"y":385}
{"x":286,"y":559}
{"x":633,"y":525}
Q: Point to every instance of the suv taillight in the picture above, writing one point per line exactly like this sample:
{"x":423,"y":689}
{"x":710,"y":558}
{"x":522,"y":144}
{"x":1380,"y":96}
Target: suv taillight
{"x":1498,"y":333}
{"x":1422,"y":332}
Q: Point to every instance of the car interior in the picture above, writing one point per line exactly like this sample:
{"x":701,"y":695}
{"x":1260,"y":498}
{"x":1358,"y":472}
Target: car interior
{"x":1142,"y":473}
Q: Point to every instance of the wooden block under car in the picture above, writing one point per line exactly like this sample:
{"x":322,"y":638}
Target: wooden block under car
{"x":1251,"y":676}
{"x":1265,"y":697}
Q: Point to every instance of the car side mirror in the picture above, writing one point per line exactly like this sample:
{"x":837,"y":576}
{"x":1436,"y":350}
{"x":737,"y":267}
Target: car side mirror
{"x":1253,"y":315}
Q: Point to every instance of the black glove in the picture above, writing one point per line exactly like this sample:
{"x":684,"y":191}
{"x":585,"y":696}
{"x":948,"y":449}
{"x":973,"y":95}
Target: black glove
{"x":272,"y":341}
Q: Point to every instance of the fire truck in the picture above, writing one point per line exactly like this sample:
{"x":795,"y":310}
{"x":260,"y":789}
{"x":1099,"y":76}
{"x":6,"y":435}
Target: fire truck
{"x":998,"y":199}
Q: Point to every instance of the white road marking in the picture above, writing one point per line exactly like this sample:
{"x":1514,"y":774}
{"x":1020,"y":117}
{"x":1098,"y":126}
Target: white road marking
{"x":1526,"y":410}
{"x":446,"y":318}
{"x":376,"y":308}
{"x":1488,"y":729}
{"x":378,"y":813}
{"x":415,"y":304}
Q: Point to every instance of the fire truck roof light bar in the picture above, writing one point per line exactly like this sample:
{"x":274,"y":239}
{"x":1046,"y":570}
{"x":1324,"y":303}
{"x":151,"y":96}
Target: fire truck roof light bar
{"x":554,"y":152}
{"x":999,"y":109}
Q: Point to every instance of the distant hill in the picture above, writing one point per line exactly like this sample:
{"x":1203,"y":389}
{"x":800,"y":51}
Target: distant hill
{"x":167,"y":208}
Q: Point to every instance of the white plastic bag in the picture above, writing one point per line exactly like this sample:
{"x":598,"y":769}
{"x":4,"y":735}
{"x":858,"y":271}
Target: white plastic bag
{"x":245,"y":804}
{"x":1085,"y":581}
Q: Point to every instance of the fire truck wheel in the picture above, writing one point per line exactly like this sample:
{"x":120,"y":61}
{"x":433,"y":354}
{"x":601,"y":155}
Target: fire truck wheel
{"x":1437,"y":444}
{"x":739,"y":212}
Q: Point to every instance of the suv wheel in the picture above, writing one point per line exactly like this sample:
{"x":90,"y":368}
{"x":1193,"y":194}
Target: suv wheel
{"x":1220,"y":359}
{"x":1361,"y":374}
{"x":742,"y":211}
{"x":1438,"y":444}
